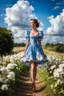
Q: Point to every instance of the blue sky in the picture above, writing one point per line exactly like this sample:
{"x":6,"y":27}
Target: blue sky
{"x":15,"y":14}
{"x":43,"y":9}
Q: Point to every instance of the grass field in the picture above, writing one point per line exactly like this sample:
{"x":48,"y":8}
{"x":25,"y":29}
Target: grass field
{"x":18,"y":49}
{"x":43,"y":82}
{"x":43,"y":76}
{"x":52,"y":53}
{"x":56,"y":54}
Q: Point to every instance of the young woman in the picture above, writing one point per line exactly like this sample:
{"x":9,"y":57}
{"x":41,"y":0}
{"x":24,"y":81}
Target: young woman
{"x":34,"y":54}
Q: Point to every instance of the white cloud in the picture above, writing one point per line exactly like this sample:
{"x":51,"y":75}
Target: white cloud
{"x":60,"y":3}
{"x":50,"y":17}
{"x":56,"y":7}
{"x":18,"y":16}
{"x":56,"y":30}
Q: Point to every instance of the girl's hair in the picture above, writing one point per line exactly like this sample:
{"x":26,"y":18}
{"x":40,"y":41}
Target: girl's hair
{"x":35,"y":21}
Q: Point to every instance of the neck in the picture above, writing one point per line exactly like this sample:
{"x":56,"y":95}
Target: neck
{"x":34,"y":29}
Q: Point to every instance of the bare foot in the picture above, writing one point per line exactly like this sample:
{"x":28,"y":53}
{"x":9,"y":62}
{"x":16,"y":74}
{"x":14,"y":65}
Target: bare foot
{"x":33,"y":86}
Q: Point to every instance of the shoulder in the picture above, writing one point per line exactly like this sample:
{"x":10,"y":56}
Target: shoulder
{"x":41,"y":32}
{"x":40,"y":35}
{"x":27,"y":31}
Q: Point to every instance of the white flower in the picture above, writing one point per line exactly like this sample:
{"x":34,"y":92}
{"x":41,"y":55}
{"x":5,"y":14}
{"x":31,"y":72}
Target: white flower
{"x":11,"y":66}
{"x":4,"y":87}
{"x":11,"y":75}
{"x":54,"y":90}
{"x":4,"y":70}
{"x":23,"y":60}
{"x":61,"y":65}
{"x":57,"y":83}
{"x":57,"y":72}
{"x":4,"y":63}
{"x":4,"y":80}
{"x":12,"y":60}
{"x":6,"y":58}
{"x":51,"y":86}
{"x":50,"y":71}
{"x":52,"y":67}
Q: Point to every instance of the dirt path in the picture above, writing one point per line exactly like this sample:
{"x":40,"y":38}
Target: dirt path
{"x":24,"y":87}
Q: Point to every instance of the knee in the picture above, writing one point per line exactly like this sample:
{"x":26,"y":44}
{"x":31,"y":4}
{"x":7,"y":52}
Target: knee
{"x":32,"y":65}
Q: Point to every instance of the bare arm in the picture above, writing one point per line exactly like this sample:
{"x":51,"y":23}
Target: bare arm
{"x":39,"y":41}
{"x":25,"y":48}
{"x":26,"y":45}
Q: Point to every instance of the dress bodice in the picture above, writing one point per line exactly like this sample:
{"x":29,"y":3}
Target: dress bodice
{"x":34,"y":38}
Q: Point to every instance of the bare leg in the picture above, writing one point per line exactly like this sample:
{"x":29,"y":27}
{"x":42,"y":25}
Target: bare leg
{"x":33,"y":72}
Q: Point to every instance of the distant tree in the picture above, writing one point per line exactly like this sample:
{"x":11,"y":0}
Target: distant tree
{"x":19,"y":44}
{"x":6,"y":41}
{"x":58,"y":47}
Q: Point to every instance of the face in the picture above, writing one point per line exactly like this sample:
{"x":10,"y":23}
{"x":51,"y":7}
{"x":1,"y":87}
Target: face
{"x":32,"y":24}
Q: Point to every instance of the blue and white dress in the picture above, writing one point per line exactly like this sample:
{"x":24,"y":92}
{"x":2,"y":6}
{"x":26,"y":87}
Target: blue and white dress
{"x":34,"y":51}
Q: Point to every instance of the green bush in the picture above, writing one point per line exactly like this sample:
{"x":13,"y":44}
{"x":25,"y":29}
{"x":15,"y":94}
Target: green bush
{"x":62,"y":49}
{"x":55,"y":47}
{"x":6,"y":41}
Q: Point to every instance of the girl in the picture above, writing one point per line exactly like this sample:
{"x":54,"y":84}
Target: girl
{"x":34,"y":54}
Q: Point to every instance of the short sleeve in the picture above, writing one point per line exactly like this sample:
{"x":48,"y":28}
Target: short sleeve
{"x":27,"y":33}
{"x":40,"y":37}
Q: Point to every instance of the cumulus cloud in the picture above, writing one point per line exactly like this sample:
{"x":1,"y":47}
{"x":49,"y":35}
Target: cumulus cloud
{"x":55,"y":33}
{"x":18,"y":17}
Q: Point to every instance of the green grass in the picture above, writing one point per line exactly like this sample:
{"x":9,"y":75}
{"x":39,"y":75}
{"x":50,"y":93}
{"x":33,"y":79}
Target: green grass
{"x":52,"y":53}
{"x":43,"y":76}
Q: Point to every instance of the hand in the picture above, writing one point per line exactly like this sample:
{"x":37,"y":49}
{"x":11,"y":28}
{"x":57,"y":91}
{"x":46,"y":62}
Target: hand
{"x":22,"y":56}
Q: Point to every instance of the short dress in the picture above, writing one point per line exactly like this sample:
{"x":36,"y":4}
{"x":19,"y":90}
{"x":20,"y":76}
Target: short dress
{"x":34,"y":51}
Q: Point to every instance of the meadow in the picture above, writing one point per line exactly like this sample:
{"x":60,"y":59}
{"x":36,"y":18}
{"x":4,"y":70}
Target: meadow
{"x":51,"y":73}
